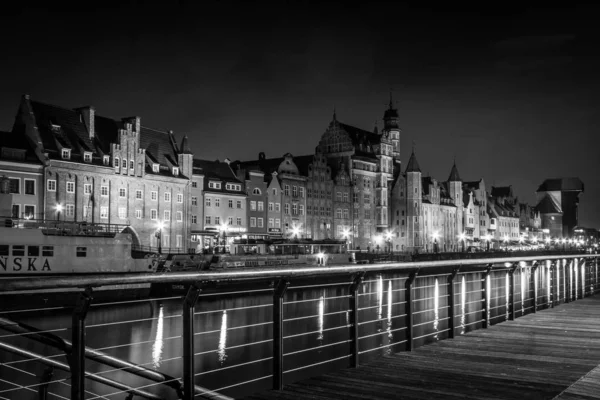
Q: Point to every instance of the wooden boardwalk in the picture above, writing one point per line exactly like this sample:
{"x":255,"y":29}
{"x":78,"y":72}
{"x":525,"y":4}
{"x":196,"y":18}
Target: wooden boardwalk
{"x":554,"y":353}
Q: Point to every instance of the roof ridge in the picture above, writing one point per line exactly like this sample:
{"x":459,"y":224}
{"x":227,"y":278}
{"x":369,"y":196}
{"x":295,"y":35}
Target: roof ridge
{"x":167,"y":132}
{"x":53,"y":105}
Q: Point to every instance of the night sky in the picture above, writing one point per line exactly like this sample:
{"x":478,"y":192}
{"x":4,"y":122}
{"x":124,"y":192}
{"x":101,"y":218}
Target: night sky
{"x":512,"y":94}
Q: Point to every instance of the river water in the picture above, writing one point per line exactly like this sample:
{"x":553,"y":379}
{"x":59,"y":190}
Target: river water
{"x":233,"y":341}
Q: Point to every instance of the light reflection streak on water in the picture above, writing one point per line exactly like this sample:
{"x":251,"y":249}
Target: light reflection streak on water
{"x":548,"y":275}
{"x":221,"y":351}
{"x":582,"y":281}
{"x":576,"y":279}
{"x":506,"y":292}
{"x":321,"y":317}
{"x":380,"y":297}
{"x":523,"y":285}
{"x":558,"y":282}
{"x":564,"y":271}
{"x":535,"y":284}
{"x":436,"y":307}
{"x":463,"y":301}
{"x":488,"y":289}
{"x":157,"y":347}
{"x":389,"y":309}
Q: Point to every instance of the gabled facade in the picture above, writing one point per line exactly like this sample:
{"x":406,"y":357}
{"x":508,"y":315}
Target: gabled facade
{"x":102,"y":170}
{"x":558,"y":203}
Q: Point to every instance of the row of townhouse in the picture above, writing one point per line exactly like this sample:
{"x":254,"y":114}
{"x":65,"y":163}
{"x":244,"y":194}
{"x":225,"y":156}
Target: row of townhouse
{"x":75,"y":165}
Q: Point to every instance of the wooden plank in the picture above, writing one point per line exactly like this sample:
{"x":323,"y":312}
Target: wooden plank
{"x":554,"y":352}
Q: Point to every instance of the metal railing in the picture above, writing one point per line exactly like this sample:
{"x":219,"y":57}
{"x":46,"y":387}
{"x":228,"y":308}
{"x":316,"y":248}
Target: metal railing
{"x":270,"y":326}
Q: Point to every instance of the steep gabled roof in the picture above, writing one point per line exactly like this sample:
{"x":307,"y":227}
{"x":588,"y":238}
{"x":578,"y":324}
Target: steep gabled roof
{"x":359,"y":136}
{"x":160,"y":144}
{"x":548,"y":205}
{"x":19,"y":142}
{"x":216,"y":170}
{"x":561,"y":184}
{"x":413,"y":165}
{"x":63,"y":125}
{"x":454,"y":176}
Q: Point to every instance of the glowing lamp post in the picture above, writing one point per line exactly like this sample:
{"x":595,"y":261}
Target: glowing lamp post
{"x":295,"y":231}
{"x":346,"y":235}
{"x":462,"y":238}
{"x":435,"y":235}
{"x":378,"y":240}
{"x":521,"y":240}
{"x":59,"y":208}
{"x":159,"y":227}
{"x":388,"y":238}
{"x":488,"y":239}
{"x":223,"y":229}
{"x":505,"y":240}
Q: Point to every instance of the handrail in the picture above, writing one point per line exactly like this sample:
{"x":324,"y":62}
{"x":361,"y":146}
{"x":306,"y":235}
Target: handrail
{"x":8,"y":284}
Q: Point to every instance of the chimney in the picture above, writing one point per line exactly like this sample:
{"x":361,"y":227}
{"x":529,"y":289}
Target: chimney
{"x":88,"y":115}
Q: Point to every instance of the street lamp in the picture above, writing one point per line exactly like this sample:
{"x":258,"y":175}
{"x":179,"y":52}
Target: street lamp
{"x":159,"y":227}
{"x":378,"y":240}
{"x":435,"y":235}
{"x":488,"y":238}
{"x":223,"y":229}
{"x":388,"y":237}
{"x":59,"y":208}
{"x":505,"y":240}
{"x":346,"y":235}
{"x":462,"y":237}
{"x":521,"y":240}
{"x":295,"y":231}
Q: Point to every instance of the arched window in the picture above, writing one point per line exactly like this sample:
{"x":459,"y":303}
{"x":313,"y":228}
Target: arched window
{"x":256,"y":191}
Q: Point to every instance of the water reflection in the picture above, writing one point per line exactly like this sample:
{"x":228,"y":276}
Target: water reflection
{"x":389,"y":310}
{"x":436,"y":307}
{"x":380,"y":297}
{"x":488,"y":289}
{"x":506,"y":292}
{"x":463,"y":301}
{"x":535,"y":284}
{"x":548,"y":282}
{"x":576,"y":279}
{"x":583,"y":280}
{"x":558,"y":282}
{"x":221,"y":350}
{"x":524,"y":272}
{"x":157,"y":347}
{"x":321,"y":312}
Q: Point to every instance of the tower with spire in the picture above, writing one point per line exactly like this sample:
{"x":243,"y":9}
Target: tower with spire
{"x":185,"y":158}
{"x":391,"y":127}
{"x":414,"y":200}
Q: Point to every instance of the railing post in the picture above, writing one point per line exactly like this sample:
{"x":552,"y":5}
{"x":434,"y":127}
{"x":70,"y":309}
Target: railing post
{"x":280,"y":289}
{"x":77,"y":356}
{"x":354,"y":306}
{"x":44,"y":379}
{"x":189,"y":304}
{"x":584,"y":278}
{"x":511,"y":291}
{"x":533,"y":269}
{"x":451,"y":303}
{"x":484,"y":292}
{"x":409,"y":309}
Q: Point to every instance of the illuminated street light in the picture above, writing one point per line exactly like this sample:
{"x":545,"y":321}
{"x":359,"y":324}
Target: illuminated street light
{"x":159,"y":227}
{"x":295,"y":231}
{"x":223,"y":228}
{"x":435,"y":235}
{"x":462,"y":237}
{"x":488,"y":238}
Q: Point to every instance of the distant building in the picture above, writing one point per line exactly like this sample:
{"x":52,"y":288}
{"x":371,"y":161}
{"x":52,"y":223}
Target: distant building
{"x":558,"y":205}
{"x":224,"y":204}
{"x":102,"y":170}
{"x":503,"y":207}
{"x":24,"y":170}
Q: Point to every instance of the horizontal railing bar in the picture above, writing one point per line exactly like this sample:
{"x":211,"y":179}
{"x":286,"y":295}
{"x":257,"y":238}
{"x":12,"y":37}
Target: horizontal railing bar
{"x":382,"y":333}
{"x":291,"y":353}
{"x":227,"y":293}
{"x":313,"y":332}
{"x":319,"y":286}
{"x":381,"y":347}
{"x":220,"y":310}
{"x":431,"y":322}
{"x":430,"y":334}
{"x":319,"y":363}
{"x":317,"y":299}
{"x":378,"y":319}
{"x":234,"y":366}
{"x":238,"y":384}
{"x":316,"y":315}
{"x":244,"y":274}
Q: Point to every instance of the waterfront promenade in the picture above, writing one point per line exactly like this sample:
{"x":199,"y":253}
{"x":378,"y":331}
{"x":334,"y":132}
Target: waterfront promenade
{"x":554,"y":353}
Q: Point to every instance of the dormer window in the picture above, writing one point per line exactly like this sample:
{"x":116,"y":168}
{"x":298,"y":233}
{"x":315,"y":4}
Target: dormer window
{"x":155,"y":167}
{"x":214,"y":185}
{"x":105,"y":160}
{"x":232,"y":186}
{"x":175,"y":171}
{"x":87,"y":156}
{"x":66,"y":154}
